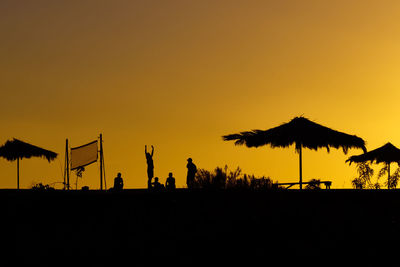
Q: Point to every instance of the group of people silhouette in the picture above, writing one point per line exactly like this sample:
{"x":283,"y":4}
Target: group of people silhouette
{"x":170,"y":181}
{"x":156,"y":185}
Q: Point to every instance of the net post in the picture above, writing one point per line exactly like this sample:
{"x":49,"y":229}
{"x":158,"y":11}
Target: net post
{"x":66,"y":166}
{"x":101,"y":161}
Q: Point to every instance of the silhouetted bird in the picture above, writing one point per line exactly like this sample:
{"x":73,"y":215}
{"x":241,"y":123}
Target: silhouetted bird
{"x":118,"y":182}
{"x":170,"y":182}
{"x":150,"y":164}
{"x":192,"y":169}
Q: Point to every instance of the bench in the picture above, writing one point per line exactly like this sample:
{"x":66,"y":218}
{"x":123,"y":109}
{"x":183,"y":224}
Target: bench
{"x":326,"y":183}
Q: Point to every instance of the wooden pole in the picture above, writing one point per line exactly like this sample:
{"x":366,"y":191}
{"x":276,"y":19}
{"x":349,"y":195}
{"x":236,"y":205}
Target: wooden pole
{"x":18,"y":173}
{"x":66,"y":168}
{"x":301,"y":171}
{"x":101,"y":162}
{"x":65,"y":171}
{"x":388,"y":166}
{"x":68,"y":172}
{"x":104,"y":169}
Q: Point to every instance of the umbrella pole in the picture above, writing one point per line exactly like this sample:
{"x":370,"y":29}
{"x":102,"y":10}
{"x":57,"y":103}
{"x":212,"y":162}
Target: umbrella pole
{"x":301,"y":171}
{"x":18,"y":173}
{"x":101,"y":161}
{"x":388,"y":167}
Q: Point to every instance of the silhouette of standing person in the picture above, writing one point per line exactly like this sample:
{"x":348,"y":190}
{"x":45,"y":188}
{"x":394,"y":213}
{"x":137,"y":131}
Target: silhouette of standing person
{"x":192,"y":169}
{"x":150,"y":165}
{"x":170,"y":182}
{"x":118,"y":182}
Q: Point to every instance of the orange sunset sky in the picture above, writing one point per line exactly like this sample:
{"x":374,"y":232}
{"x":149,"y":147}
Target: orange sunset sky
{"x":180,"y":74}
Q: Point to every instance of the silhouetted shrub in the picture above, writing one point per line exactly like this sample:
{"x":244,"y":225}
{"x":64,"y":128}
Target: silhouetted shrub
{"x":393,"y":179}
{"x":314,"y":184}
{"x":221,"y":178}
{"x":203,"y":179}
{"x":365,"y":173}
{"x":234,"y":180}
{"x":261,"y":183}
{"x":42,"y":187}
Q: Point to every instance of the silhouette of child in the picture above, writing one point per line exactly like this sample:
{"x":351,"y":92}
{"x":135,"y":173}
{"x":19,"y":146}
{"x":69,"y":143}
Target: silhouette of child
{"x":170,"y":182}
{"x":118,"y":182}
{"x":192,"y":169}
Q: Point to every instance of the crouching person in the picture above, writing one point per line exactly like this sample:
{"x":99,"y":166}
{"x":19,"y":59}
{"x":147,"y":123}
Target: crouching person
{"x":118,"y":183}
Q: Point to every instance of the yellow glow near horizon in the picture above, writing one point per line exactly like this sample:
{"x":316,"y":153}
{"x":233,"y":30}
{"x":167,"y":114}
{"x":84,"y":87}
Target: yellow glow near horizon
{"x":178,"y":75}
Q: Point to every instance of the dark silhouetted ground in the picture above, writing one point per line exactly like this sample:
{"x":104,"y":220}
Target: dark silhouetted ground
{"x":182,"y":228}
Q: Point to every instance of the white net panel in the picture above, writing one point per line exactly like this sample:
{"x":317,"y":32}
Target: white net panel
{"x":83,"y":155}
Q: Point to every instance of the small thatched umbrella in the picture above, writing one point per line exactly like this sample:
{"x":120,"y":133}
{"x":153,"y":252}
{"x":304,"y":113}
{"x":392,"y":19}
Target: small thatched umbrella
{"x":387,"y":153}
{"x":303,"y":133}
{"x":16,"y":150}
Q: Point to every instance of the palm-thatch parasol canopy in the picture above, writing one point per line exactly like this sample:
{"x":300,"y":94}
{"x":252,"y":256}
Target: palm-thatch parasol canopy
{"x":301,"y":132}
{"x":387,"y":153}
{"x":17,"y":149}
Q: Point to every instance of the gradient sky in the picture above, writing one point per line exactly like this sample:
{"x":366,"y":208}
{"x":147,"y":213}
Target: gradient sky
{"x":180,"y":74}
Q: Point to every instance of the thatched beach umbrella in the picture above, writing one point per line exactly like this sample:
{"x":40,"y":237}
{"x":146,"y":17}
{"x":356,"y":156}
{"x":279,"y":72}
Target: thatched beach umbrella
{"x":16,"y":150}
{"x":387,"y":153}
{"x":301,"y":132}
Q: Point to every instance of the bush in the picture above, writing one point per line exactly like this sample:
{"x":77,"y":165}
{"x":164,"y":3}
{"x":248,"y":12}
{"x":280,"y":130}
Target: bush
{"x":221,"y":178}
{"x":42,"y":187}
{"x":314,"y":184}
{"x":365,"y":173}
